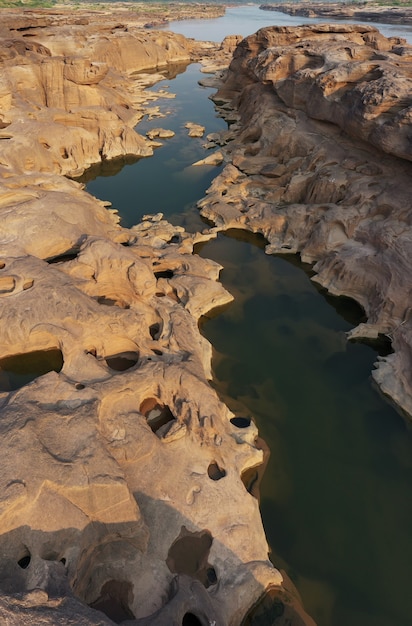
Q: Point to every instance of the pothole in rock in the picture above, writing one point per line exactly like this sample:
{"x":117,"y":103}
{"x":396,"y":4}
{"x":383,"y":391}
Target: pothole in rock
{"x":190,"y":619}
{"x":215,"y":472}
{"x":155,"y":330}
{"x":266,"y":611}
{"x":24,"y":560}
{"x":241,"y":422}
{"x":20,"y":369}
{"x":158,"y":416}
{"x":114,"y":600}
{"x":122,"y":361}
{"x":164,"y":274}
{"x":188,"y":555}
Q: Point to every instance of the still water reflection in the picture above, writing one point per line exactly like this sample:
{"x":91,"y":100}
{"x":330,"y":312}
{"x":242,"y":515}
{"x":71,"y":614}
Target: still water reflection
{"x":335,"y":500}
{"x":336,"y":494}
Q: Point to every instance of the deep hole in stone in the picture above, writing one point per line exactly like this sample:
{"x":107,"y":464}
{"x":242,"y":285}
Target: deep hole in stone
{"x":266,"y":611}
{"x":122,"y":362}
{"x":158,"y":352}
{"x":154,"y":331}
{"x":24,"y":562}
{"x":211,"y":575}
{"x":164,"y":274}
{"x":157,"y":414}
{"x":190,"y":619}
{"x":241,"y":422}
{"x":174,"y":239}
{"x":20,"y":369}
{"x":63,"y":560}
{"x":215,"y":472}
{"x":79,"y":386}
{"x":159,"y":294}
{"x":114,"y":600}
{"x":188,"y":555}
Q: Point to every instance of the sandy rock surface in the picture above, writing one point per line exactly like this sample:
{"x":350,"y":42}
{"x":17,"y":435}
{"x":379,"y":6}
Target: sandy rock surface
{"x":302,"y":99}
{"x":125,"y":487}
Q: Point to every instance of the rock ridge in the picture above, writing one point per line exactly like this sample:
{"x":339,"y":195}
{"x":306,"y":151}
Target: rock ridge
{"x":311,"y":166}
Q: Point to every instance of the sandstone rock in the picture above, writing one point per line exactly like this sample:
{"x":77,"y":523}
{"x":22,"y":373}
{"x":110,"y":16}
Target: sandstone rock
{"x":341,"y":204}
{"x":123,"y":483}
{"x":195,"y":130}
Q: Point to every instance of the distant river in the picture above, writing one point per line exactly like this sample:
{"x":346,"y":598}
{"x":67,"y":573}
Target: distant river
{"x":336,"y":496}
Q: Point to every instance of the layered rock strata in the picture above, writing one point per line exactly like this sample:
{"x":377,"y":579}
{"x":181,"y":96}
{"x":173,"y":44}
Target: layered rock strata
{"x":318,"y":161}
{"x":124,"y":490}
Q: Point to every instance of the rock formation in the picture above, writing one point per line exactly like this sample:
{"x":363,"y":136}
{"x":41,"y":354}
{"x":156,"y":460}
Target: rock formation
{"x":123,"y":491}
{"x":362,"y":11}
{"x":318,"y":161}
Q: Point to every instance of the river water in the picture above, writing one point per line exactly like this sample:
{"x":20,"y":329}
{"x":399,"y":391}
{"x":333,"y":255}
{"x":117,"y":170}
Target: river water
{"x":335,"y":498}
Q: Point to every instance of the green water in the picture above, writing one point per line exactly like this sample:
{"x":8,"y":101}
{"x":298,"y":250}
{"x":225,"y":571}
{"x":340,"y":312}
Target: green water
{"x":336,"y":494}
{"x":335,"y":497}
{"x":165,"y":182}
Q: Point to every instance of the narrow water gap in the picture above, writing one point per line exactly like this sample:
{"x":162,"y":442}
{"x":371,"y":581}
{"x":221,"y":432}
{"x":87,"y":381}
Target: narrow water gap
{"x":334,"y":496}
{"x":165,"y":182}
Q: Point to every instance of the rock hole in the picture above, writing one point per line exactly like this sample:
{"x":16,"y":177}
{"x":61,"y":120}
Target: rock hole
{"x":64,"y":153}
{"x":114,"y":600}
{"x":2,"y":265}
{"x":21,"y":369}
{"x":164,"y":274}
{"x":190,"y":619}
{"x":24,"y":561}
{"x":215,"y":472}
{"x":44,"y":143}
{"x":122,"y":362}
{"x":188,"y":555}
{"x":174,"y":239}
{"x":154,"y":331}
{"x":79,"y":386}
{"x":156,"y":414}
{"x":63,"y":560}
{"x":241,"y":422}
{"x":159,"y":294}
{"x":266,"y":611}
{"x":211,"y":575}
{"x":28,"y":284}
{"x":158,"y":352}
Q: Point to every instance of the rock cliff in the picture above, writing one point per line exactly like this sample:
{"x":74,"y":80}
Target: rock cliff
{"x":124,"y":490}
{"x":318,"y":161}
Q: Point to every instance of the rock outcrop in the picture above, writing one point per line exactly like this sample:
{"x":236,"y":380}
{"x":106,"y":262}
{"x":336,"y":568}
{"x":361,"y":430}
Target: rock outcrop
{"x":298,"y":172}
{"x":123,"y":492}
{"x":362,"y":11}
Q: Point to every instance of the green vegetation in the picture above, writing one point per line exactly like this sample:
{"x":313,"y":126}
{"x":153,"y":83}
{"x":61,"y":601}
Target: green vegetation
{"x":41,"y":4}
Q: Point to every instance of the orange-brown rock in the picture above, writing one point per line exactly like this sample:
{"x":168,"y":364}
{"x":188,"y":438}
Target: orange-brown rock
{"x":122,"y":494}
{"x":298,"y":173}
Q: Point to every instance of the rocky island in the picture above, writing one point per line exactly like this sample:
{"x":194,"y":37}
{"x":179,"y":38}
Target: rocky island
{"x":125,"y":487}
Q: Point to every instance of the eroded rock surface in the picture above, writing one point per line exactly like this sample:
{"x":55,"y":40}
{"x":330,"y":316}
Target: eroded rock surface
{"x":300,"y":99}
{"x":122,"y":489}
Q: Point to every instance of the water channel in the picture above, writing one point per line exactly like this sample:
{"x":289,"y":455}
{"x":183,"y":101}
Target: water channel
{"x":335,"y":498}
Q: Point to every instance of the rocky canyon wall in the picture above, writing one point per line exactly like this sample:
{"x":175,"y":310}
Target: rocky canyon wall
{"x":125,"y":490}
{"x":318,"y":161}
